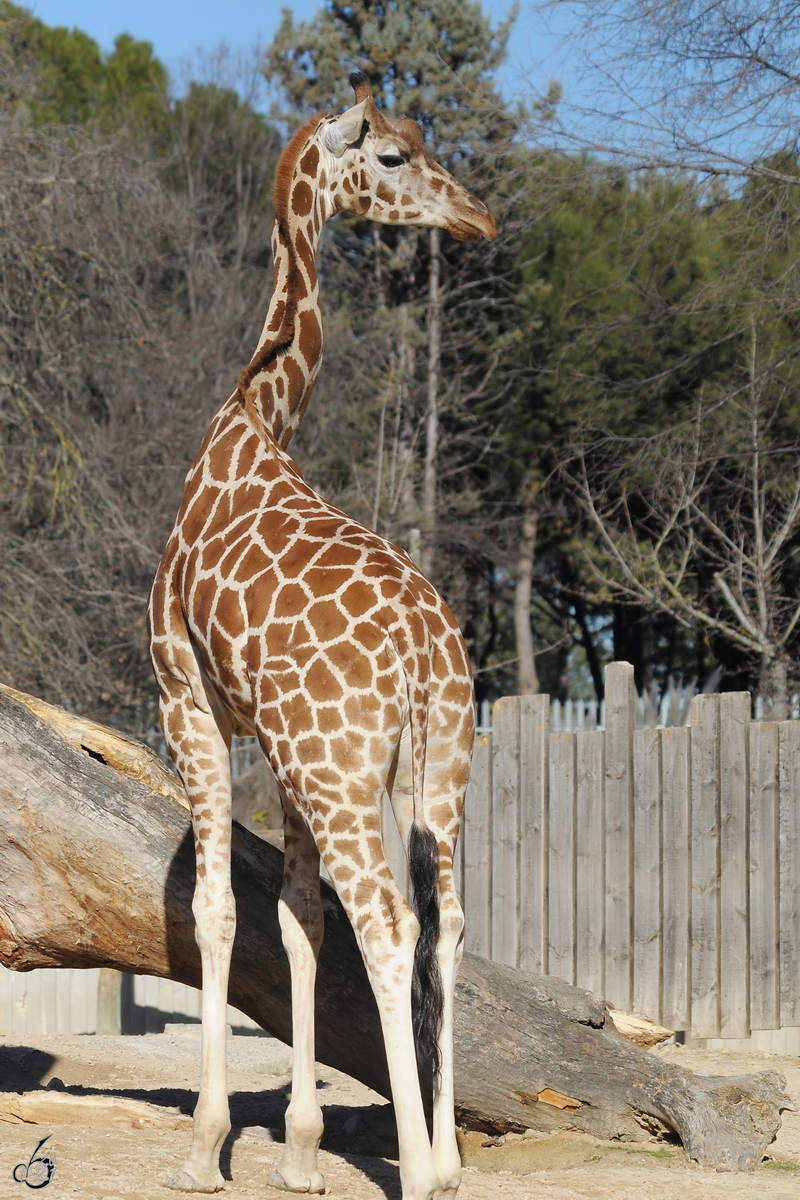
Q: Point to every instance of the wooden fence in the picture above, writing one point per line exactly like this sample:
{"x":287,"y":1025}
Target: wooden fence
{"x":65,"y":1001}
{"x":657,"y":867}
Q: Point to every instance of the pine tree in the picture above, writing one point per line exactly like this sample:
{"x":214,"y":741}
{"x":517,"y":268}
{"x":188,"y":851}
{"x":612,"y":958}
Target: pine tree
{"x":58,"y":75}
{"x":434,"y":61}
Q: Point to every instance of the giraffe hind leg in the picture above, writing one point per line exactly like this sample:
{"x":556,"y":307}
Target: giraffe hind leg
{"x":433,"y":848}
{"x":387,"y":930}
{"x":344,"y":815}
{"x":423,"y":860}
{"x":449,"y":950}
{"x":443,"y":804}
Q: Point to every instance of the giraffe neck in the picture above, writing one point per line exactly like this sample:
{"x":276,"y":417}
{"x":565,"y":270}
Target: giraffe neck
{"x":276,"y":385}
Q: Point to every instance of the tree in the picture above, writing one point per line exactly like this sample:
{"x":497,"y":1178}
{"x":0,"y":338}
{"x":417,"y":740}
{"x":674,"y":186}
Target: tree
{"x":705,"y":87}
{"x":702,"y":521}
{"x":706,"y":96}
{"x":61,"y":75}
{"x":433,"y":62}
{"x":612,"y":280}
{"x":127,"y":308}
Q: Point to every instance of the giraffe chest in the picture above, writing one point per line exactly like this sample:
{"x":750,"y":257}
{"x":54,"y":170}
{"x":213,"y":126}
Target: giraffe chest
{"x":269,"y":575}
{"x":285,"y":597}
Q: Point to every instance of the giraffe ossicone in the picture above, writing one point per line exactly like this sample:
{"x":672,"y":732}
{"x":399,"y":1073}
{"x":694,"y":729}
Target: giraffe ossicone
{"x":274,"y":614}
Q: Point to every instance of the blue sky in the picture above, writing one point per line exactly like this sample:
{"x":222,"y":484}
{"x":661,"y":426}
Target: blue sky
{"x":178,"y":29}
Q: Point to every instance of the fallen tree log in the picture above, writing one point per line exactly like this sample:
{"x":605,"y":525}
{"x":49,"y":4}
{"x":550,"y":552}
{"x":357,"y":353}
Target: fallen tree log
{"x":97,"y":869}
{"x":46,"y":1107}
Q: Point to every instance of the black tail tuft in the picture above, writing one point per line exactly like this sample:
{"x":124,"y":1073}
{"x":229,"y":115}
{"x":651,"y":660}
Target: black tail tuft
{"x":427,"y":995}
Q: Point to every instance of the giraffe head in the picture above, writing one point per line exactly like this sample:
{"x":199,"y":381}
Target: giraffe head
{"x":379,"y":168}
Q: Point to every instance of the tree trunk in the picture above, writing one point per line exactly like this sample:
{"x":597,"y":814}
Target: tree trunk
{"x":526,"y":663}
{"x":380,"y":299}
{"x":778,"y":688}
{"x":401,"y":501}
{"x":590,"y":648}
{"x":432,"y":423}
{"x":97,"y":869}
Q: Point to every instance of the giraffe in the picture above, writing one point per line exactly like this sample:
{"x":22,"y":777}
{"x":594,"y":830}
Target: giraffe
{"x":272,"y":613}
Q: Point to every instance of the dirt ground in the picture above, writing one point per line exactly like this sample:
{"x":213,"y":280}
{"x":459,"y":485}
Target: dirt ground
{"x":358,"y":1156}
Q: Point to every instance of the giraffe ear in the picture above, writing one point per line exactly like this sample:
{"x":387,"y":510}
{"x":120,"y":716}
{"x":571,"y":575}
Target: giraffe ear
{"x":345,"y":130}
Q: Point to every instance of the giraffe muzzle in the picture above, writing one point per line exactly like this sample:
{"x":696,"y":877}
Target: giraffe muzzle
{"x":475,"y":223}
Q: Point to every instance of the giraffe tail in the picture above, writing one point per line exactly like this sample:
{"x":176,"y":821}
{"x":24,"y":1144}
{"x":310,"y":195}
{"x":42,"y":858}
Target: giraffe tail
{"x":427,"y":993}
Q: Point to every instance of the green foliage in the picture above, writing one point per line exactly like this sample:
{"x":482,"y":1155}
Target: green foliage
{"x":663,"y":318}
{"x":134,"y":84}
{"x":615,"y":271}
{"x":780,"y":1164}
{"x":428,"y":59}
{"x":62,"y":77}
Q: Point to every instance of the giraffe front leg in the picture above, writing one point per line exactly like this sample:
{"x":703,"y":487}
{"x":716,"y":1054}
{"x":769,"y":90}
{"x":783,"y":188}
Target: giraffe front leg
{"x":301,"y":921}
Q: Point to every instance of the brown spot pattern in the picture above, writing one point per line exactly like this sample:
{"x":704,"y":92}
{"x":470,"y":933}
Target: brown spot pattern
{"x":302,"y":199}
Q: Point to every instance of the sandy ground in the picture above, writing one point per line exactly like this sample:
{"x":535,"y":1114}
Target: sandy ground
{"x":358,"y":1155}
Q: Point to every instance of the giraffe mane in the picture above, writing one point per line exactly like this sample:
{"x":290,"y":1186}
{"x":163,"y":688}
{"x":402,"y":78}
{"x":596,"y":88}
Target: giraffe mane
{"x":285,"y":335}
{"x":287,"y":164}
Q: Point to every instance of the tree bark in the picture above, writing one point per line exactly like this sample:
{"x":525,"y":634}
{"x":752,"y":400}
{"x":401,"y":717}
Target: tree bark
{"x":590,"y":649}
{"x":97,"y":869}
{"x":401,"y":500}
{"x":432,"y":422}
{"x":526,"y":664}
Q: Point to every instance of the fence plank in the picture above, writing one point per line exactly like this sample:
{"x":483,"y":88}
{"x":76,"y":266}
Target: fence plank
{"x":705,"y":866}
{"x":734,"y":864}
{"x":30,"y":1003}
{"x":17,"y":985}
{"x":72,"y":1015}
{"x":505,"y":830}
{"x":478,"y":851}
{"x":562,"y":857}
{"x":676,"y":863}
{"x":789,"y":755}
{"x":765,"y":1012}
{"x":534,"y":735}
{"x":647,"y":873}
{"x":620,"y":711}
{"x":148,"y":987}
{"x":590,"y":876}
{"x":47,"y":983}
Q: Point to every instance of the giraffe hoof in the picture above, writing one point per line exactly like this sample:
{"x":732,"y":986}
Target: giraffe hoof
{"x":314,"y":1186}
{"x":182,"y":1181}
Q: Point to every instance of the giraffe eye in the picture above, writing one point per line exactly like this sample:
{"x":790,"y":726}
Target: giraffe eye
{"x":391,"y":160}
